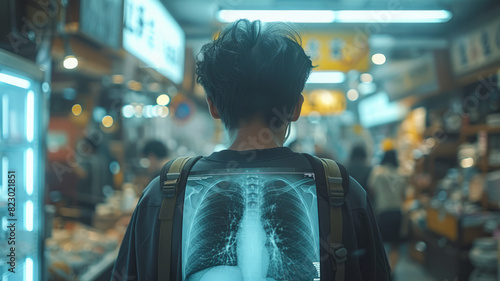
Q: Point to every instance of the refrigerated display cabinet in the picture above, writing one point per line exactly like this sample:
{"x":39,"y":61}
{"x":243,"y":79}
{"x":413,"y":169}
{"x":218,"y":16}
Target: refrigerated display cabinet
{"x":23,"y":123}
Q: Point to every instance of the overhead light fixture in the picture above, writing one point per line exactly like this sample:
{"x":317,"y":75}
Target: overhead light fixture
{"x":326,"y":77}
{"x":128,"y":111}
{"x":163,"y":99}
{"x":378,"y":59}
{"x":70,"y":61}
{"x":76,"y":109}
{"x":28,"y":215}
{"x":5,"y":117}
{"x":107,"y":121}
{"x":366,"y":78}
{"x":342,"y":16}
{"x":393,"y":16}
{"x":29,"y":171}
{"x":30,"y":116}
{"x":28,"y":269}
{"x":14,"y":81}
{"x":352,"y":95}
{"x":299,"y":16}
{"x":467,"y":162}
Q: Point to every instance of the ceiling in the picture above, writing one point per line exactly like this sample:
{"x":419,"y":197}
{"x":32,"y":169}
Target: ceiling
{"x":399,"y":42}
{"x":197,"y":17}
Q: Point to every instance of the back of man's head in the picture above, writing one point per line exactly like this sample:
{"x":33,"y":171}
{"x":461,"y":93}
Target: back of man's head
{"x":254,"y":71}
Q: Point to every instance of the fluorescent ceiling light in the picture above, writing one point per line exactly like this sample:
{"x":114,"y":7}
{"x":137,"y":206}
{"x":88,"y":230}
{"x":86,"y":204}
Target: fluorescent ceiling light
{"x":29,"y":171}
{"x":300,"y":16}
{"x":326,"y":77}
{"x":30,"y":116}
{"x":5,"y":117}
{"x":14,"y":81}
{"x":393,"y":16}
{"x":5,"y":169}
{"x":28,"y":215}
{"x":342,"y":16}
{"x":29,"y":269}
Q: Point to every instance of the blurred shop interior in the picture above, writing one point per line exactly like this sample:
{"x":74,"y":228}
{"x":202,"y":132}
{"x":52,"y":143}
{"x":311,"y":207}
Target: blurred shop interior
{"x":98,"y":94}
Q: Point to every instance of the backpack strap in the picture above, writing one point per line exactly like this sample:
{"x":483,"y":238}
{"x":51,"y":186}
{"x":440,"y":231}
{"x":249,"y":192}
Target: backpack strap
{"x":336,"y":189}
{"x":178,"y":171}
{"x":336,"y":196}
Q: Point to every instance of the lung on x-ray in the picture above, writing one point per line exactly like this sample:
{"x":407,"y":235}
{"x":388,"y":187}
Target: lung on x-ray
{"x":251,"y":225}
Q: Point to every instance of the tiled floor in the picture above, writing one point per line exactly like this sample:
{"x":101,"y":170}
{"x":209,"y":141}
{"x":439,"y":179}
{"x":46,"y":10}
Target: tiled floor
{"x":409,"y":270}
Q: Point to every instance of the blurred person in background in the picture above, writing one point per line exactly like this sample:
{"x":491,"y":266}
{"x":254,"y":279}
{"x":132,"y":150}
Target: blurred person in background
{"x":388,"y":187}
{"x":157,"y":154}
{"x":322,"y":152}
{"x":358,"y":167}
{"x":92,"y":169}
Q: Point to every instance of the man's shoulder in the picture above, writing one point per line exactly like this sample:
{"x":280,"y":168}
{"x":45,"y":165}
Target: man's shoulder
{"x":357,"y":196}
{"x":151,"y":196}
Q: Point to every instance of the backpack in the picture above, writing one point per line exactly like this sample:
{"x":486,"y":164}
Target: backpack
{"x":335,"y":184}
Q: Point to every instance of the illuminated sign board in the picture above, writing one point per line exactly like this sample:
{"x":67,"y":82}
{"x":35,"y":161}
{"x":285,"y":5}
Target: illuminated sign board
{"x":324,"y":102}
{"x":152,"y":35}
{"x":378,"y":110}
{"x":337,"y":51}
{"x":101,"y":20}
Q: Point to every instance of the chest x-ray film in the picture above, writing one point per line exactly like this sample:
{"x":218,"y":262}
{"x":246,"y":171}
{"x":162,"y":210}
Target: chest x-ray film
{"x":252,"y":225}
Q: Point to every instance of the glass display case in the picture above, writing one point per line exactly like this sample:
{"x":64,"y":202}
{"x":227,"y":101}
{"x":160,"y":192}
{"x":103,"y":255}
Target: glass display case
{"x":23,"y":111}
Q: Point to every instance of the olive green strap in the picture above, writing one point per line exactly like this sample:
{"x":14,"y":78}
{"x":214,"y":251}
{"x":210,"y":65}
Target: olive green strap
{"x":169,"y":192}
{"x":336,"y":198}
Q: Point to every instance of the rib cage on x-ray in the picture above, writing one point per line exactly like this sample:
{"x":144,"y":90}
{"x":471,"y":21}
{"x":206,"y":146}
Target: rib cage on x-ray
{"x":250,"y":226}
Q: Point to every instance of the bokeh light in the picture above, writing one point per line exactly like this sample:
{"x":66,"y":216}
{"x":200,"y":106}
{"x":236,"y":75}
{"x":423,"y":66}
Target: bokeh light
{"x":76,"y":109}
{"x":352,"y":95}
{"x":378,"y":59}
{"x":107,"y":121}
{"x":70,"y":62}
{"x":163,"y":99}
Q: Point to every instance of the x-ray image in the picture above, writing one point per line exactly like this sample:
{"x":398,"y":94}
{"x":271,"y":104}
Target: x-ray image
{"x":250,"y":225}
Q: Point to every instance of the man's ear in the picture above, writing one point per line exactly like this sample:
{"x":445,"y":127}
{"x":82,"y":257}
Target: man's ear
{"x":213,"y":110}
{"x":298,"y":108}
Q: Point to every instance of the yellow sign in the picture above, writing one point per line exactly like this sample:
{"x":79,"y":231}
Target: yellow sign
{"x":324,"y":102}
{"x":341,"y":51}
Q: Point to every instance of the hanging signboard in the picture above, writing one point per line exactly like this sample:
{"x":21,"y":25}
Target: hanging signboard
{"x":152,"y":35}
{"x":476,"y":49}
{"x":378,"y":110}
{"x":101,"y":20}
{"x":183,"y":108}
{"x":418,"y":78}
{"x":324,"y":102}
{"x":337,"y":51}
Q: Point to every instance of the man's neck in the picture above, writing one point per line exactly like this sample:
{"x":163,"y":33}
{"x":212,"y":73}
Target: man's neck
{"x":255,"y":135}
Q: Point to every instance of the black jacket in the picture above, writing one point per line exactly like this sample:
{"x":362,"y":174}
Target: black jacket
{"x":137,"y":259}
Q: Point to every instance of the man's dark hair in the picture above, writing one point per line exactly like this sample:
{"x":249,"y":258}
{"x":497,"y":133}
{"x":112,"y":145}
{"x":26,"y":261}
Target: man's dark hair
{"x":252,"y":71}
{"x":157,"y":148}
{"x":358,"y":153}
